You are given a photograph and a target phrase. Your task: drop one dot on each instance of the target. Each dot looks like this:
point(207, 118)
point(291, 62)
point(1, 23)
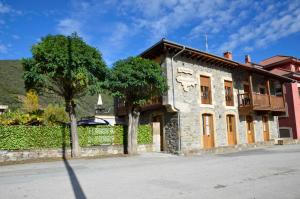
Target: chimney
point(228, 55)
point(247, 59)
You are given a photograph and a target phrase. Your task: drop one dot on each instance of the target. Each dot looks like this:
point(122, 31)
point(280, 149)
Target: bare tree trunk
point(74, 134)
point(133, 122)
point(129, 131)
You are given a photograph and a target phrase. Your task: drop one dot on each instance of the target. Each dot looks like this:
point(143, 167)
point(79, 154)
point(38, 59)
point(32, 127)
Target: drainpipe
point(173, 100)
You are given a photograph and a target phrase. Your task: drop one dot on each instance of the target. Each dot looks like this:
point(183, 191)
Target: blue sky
point(122, 28)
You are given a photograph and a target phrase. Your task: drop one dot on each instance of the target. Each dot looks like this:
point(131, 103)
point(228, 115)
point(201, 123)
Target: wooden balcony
point(260, 102)
point(154, 103)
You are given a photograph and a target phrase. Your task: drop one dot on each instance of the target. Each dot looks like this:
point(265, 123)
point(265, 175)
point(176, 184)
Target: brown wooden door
point(250, 130)
point(265, 120)
point(208, 131)
point(231, 134)
point(162, 141)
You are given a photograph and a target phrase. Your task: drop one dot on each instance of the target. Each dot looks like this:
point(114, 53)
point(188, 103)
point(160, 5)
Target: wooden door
point(250, 129)
point(265, 120)
point(208, 131)
point(231, 134)
point(162, 141)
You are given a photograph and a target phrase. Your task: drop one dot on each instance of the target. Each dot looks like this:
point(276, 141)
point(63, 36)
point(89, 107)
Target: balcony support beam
point(251, 88)
point(268, 91)
point(283, 93)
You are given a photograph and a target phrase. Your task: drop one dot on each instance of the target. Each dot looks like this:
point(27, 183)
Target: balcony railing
point(154, 102)
point(261, 102)
point(277, 103)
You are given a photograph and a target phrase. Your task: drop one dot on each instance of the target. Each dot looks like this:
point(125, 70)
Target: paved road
point(260, 174)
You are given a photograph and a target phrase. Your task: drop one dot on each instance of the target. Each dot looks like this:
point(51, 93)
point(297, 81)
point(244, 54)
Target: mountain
point(12, 90)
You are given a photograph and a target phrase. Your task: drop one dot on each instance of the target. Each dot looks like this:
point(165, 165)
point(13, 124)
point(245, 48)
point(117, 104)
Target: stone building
point(212, 101)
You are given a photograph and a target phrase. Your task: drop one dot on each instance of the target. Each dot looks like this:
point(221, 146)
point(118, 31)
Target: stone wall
point(170, 127)
point(187, 99)
point(104, 150)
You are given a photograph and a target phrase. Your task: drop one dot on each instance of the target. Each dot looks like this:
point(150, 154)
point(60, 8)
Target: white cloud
point(3, 48)
point(68, 26)
point(16, 37)
point(4, 8)
point(267, 27)
point(119, 34)
point(230, 25)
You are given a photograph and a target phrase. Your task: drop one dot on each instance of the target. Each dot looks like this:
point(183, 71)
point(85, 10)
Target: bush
point(20, 118)
point(144, 134)
point(31, 101)
point(55, 114)
point(20, 137)
point(33, 137)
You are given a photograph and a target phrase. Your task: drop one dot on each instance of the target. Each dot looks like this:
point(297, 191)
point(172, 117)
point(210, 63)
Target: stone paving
point(270, 172)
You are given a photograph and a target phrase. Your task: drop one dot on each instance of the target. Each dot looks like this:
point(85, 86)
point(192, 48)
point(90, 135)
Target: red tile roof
point(275, 59)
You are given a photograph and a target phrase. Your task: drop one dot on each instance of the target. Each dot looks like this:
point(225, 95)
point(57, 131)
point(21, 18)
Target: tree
point(68, 67)
point(31, 101)
point(135, 80)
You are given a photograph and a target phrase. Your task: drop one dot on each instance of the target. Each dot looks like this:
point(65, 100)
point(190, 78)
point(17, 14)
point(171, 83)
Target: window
point(284, 133)
point(262, 90)
point(230, 123)
point(278, 90)
point(228, 93)
point(205, 90)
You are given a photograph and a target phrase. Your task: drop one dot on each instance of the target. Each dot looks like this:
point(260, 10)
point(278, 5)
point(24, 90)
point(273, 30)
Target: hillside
point(12, 91)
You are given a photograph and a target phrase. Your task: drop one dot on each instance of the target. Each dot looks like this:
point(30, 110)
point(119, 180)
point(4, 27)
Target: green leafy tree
point(67, 67)
point(135, 80)
point(54, 114)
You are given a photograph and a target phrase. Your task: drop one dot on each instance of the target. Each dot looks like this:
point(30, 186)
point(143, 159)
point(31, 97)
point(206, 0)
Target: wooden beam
point(268, 91)
point(283, 94)
point(251, 88)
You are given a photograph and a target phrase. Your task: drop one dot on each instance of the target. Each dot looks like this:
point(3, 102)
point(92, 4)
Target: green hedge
point(47, 137)
point(144, 134)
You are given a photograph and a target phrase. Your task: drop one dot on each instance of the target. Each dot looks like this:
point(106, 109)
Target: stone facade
point(183, 130)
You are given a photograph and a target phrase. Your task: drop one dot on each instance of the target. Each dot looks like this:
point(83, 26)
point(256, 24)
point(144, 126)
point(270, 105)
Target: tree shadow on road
point(78, 191)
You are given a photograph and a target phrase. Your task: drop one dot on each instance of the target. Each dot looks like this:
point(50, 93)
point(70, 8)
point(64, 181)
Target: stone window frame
point(236, 115)
point(211, 112)
point(212, 105)
point(235, 93)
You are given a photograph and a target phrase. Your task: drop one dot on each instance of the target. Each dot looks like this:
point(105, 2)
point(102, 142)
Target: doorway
point(250, 129)
point(208, 131)
point(231, 130)
point(159, 120)
point(265, 120)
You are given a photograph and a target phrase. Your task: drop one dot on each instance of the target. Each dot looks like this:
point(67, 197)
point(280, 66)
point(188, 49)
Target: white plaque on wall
point(184, 70)
point(186, 82)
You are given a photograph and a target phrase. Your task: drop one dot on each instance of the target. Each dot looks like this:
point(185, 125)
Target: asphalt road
point(260, 174)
